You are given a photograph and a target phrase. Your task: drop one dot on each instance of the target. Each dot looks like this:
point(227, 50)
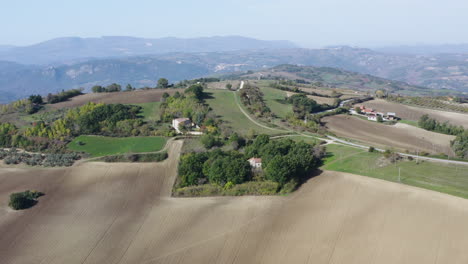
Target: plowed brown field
point(414, 113)
point(400, 136)
point(123, 213)
point(134, 97)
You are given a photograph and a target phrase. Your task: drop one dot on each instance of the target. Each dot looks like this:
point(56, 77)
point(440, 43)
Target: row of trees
point(162, 83)
point(61, 96)
point(431, 124)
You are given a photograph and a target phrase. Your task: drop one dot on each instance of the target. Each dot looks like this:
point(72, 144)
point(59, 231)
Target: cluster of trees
point(10, 136)
point(216, 167)
point(302, 105)
point(24, 200)
point(88, 119)
point(460, 145)
point(22, 106)
point(252, 98)
point(431, 124)
point(108, 89)
point(189, 104)
point(284, 162)
point(63, 95)
point(34, 103)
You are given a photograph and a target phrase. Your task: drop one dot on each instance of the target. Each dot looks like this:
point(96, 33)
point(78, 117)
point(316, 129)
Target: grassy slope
point(224, 105)
point(271, 97)
point(101, 146)
point(446, 178)
point(150, 111)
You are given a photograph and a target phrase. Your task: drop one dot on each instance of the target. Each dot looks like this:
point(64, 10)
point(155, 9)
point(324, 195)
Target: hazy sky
point(310, 23)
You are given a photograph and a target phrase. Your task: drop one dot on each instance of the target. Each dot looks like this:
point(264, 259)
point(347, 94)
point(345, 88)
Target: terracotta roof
point(256, 160)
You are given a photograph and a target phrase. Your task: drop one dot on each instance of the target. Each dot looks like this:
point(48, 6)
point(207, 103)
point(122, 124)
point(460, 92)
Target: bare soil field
point(134, 97)
point(400, 136)
point(414, 113)
point(123, 213)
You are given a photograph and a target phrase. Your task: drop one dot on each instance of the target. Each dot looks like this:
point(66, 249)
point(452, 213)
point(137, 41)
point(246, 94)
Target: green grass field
point(224, 105)
point(272, 99)
point(447, 178)
point(98, 146)
point(150, 111)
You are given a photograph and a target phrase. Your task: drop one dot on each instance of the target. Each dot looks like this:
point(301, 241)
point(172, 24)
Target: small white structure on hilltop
point(255, 163)
point(176, 123)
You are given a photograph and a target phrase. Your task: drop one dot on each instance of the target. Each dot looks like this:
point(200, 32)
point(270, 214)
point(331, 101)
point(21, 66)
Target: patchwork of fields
point(123, 213)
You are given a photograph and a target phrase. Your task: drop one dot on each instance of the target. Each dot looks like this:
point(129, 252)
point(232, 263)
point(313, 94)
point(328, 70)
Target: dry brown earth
point(400, 136)
point(122, 213)
point(134, 97)
point(414, 113)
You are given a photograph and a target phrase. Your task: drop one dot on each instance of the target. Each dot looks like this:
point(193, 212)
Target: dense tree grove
point(188, 105)
point(302, 105)
point(431, 124)
point(283, 161)
point(88, 119)
point(24, 200)
point(63, 96)
point(252, 98)
point(216, 167)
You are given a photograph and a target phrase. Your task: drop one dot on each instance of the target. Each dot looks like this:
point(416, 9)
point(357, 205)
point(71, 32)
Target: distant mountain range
point(71, 49)
point(141, 62)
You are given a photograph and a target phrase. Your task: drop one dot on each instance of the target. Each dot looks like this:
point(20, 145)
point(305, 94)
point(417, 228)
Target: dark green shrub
point(24, 200)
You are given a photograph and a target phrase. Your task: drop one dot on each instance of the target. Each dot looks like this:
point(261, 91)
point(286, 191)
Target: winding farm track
point(123, 213)
point(332, 140)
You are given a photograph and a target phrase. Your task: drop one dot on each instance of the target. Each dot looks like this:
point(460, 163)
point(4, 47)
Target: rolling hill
point(442, 73)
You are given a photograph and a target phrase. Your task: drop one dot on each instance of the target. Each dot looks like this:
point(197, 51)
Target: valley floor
point(123, 213)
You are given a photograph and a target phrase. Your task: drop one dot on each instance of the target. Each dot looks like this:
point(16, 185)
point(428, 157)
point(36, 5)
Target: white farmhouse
point(176, 123)
point(255, 163)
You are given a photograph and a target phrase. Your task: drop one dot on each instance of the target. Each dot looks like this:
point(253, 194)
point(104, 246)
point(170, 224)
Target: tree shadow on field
point(312, 174)
point(207, 95)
